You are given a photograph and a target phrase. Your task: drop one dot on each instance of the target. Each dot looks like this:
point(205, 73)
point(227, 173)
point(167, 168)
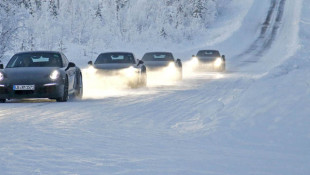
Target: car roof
point(117, 52)
point(158, 52)
point(39, 52)
point(208, 50)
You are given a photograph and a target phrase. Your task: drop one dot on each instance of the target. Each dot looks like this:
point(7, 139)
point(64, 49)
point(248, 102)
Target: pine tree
point(98, 13)
point(198, 9)
point(10, 16)
point(61, 46)
point(53, 8)
point(31, 42)
point(163, 33)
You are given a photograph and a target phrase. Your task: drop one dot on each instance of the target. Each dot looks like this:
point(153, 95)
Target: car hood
point(112, 67)
point(22, 73)
point(156, 64)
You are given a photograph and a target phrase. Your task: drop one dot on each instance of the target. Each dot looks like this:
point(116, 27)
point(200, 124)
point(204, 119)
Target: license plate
point(23, 87)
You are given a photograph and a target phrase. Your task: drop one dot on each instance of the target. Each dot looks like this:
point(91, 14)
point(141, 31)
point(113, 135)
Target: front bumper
point(47, 90)
point(209, 64)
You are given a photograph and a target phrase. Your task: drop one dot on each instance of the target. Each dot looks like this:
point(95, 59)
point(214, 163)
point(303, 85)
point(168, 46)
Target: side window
point(134, 59)
point(65, 60)
point(171, 57)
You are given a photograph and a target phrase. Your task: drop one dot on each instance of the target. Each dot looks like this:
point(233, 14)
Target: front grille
point(3, 90)
point(47, 89)
point(206, 60)
point(23, 92)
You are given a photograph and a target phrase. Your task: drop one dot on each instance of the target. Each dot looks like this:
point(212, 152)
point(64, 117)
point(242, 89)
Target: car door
point(70, 72)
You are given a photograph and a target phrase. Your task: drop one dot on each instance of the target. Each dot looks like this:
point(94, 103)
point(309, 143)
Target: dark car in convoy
point(122, 64)
point(157, 61)
point(211, 59)
point(40, 74)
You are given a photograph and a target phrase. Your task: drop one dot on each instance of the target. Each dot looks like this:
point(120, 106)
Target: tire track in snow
point(275, 27)
point(268, 32)
point(264, 29)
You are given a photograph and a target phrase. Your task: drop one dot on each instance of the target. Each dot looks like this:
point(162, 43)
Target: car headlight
point(218, 62)
point(171, 66)
point(91, 70)
point(131, 72)
point(1, 76)
point(195, 61)
point(55, 75)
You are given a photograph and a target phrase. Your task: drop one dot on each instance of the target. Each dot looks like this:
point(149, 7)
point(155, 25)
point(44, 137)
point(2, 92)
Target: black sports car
point(121, 64)
point(40, 74)
point(157, 61)
point(210, 59)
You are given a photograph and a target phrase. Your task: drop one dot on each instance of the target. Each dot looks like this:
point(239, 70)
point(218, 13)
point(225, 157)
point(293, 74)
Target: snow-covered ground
point(254, 119)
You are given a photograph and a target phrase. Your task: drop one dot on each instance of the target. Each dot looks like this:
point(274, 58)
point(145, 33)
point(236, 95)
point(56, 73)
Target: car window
point(35, 60)
point(158, 57)
point(208, 53)
point(108, 58)
point(65, 60)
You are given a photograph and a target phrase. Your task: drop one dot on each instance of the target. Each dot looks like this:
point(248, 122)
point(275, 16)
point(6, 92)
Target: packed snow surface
point(252, 119)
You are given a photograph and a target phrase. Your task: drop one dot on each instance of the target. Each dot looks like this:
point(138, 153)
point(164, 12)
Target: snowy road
point(253, 119)
point(268, 31)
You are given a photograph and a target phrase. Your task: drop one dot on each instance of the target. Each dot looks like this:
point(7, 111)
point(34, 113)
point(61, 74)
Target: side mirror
point(90, 63)
point(70, 65)
point(223, 56)
point(193, 55)
point(140, 62)
point(1, 66)
point(179, 63)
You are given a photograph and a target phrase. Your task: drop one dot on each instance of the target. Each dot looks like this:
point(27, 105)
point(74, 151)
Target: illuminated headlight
point(170, 69)
point(55, 75)
point(1, 76)
point(195, 61)
point(218, 62)
point(171, 65)
point(91, 70)
point(131, 72)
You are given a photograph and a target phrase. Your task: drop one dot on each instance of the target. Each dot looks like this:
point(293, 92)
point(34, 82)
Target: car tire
point(78, 94)
point(65, 95)
point(180, 74)
point(179, 68)
point(223, 67)
point(143, 78)
point(2, 100)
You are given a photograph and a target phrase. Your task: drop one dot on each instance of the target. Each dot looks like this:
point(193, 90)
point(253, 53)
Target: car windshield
point(158, 57)
point(108, 58)
point(35, 60)
point(209, 53)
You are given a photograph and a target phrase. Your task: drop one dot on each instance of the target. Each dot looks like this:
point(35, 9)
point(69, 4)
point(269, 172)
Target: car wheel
point(2, 100)
point(180, 74)
point(79, 88)
point(223, 67)
point(65, 95)
point(143, 79)
point(220, 69)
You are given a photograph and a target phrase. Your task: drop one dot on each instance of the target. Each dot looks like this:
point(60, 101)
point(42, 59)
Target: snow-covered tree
point(10, 16)
point(51, 24)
